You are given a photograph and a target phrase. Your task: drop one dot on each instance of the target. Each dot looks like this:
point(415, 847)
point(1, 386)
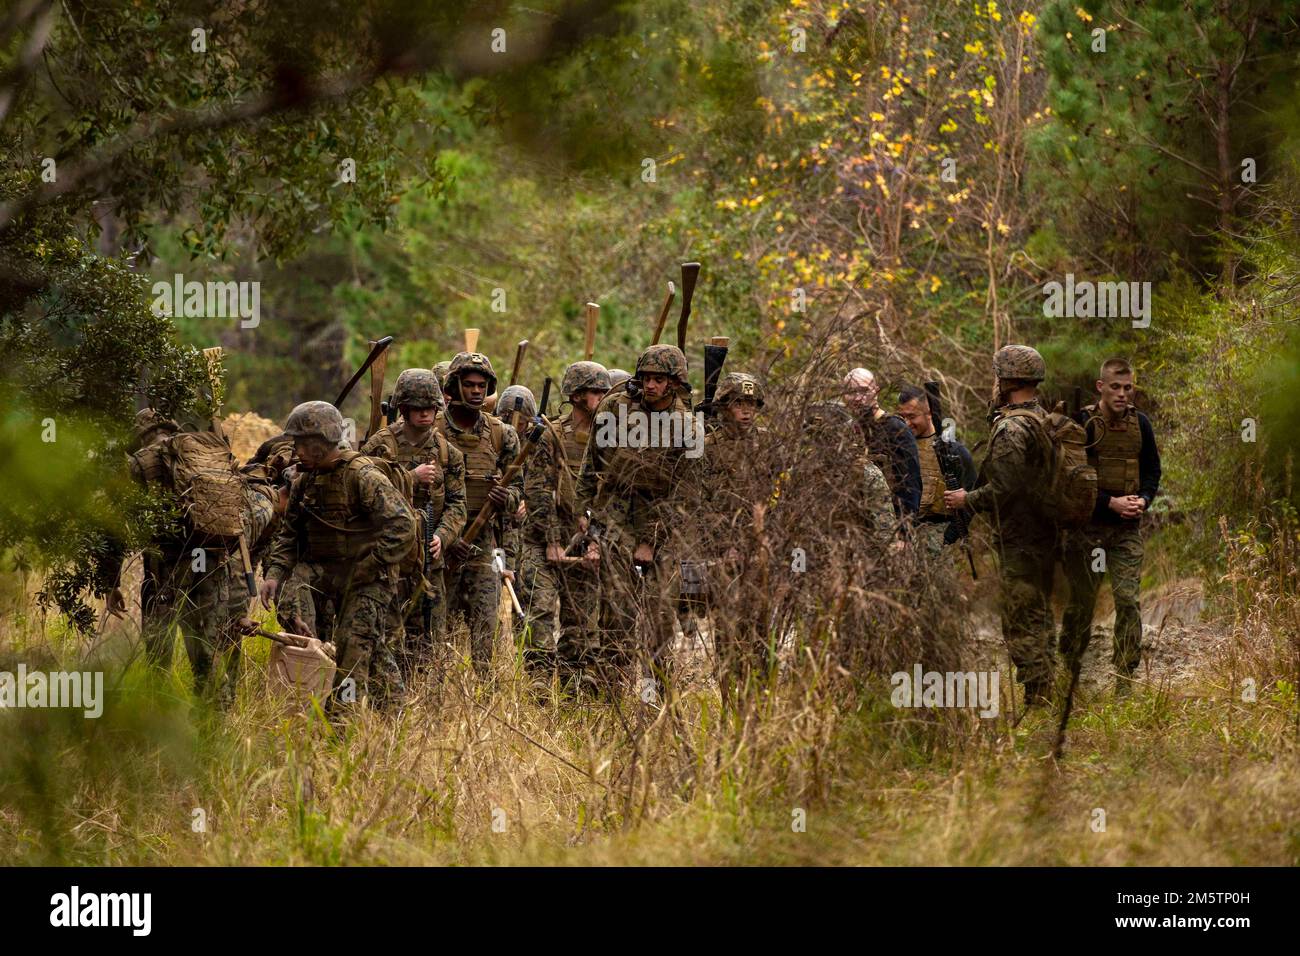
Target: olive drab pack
point(1116, 451)
point(200, 470)
point(409, 457)
point(334, 528)
point(1068, 491)
point(570, 445)
point(649, 470)
point(480, 459)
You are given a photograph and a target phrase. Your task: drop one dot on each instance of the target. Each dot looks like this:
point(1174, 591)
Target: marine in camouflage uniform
point(438, 470)
point(489, 447)
point(1122, 448)
point(832, 425)
point(346, 532)
point(554, 533)
point(634, 494)
point(518, 408)
point(1009, 494)
point(740, 476)
point(187, 582)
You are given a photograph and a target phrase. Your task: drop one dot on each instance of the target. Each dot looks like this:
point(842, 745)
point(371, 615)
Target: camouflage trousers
point(195, 593)
point(474, 591)
point(928, 537)
point(575, 590)
point(641, 604)
point(738, 615)
point(410, 645)
point(1028, 626)
point(356, 618)
point(1121, 552)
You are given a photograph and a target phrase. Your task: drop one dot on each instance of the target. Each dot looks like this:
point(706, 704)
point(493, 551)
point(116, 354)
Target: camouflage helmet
point(315, 420)
point(584, 375)
point(440, 372)
point(1021, 362)
point(506, 402)
point(666, 360)
point(148, 421)
point(417, 388)
point(618, 376)
point(739, 385)
point(471, 362)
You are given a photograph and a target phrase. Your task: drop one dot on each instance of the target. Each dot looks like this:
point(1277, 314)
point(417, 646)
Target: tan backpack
point(201, 471)
point(1069, 492)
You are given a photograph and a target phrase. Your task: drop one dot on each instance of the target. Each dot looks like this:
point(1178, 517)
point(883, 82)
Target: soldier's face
point(420, 418)
point(473, 388)
point(314, 452)
point(742, 412)
point(1116, 391)
point(587, 399)
point(656, 387)
point(917, 417)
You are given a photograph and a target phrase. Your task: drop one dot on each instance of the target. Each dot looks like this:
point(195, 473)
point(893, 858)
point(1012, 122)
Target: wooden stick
point(593, 316)
point(663, 313)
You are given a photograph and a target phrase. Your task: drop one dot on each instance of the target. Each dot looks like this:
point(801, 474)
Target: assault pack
point(201, 472)
point(1069, 491)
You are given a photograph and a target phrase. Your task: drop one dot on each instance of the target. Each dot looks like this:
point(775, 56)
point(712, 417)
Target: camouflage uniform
point(188, 580)
point(1025, 541)
point(1127, 463)
point(345, 533)
point(740, 473)
point(513, 536)
point(832, 425)
point(550, 490)
point(441, 507)
point(877, 504)
point(633, 494)
point(489, 447)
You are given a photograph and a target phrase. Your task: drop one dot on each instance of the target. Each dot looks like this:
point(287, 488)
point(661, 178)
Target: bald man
point(890, 442)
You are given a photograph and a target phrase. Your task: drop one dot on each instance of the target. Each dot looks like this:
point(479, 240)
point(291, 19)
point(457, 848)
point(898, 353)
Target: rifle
point(471, 340)
point(489, 508)
point(426, 607)
point(663, 313)
point(715, 356)
point(950, 467)
point(690, 272)
point(515, 412)
point(593, 316)
point(212, 359)
point(520, 349)
point(546, 397)
point(376, 349)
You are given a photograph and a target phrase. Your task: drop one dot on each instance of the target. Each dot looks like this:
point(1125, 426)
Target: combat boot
point(1038, 693)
